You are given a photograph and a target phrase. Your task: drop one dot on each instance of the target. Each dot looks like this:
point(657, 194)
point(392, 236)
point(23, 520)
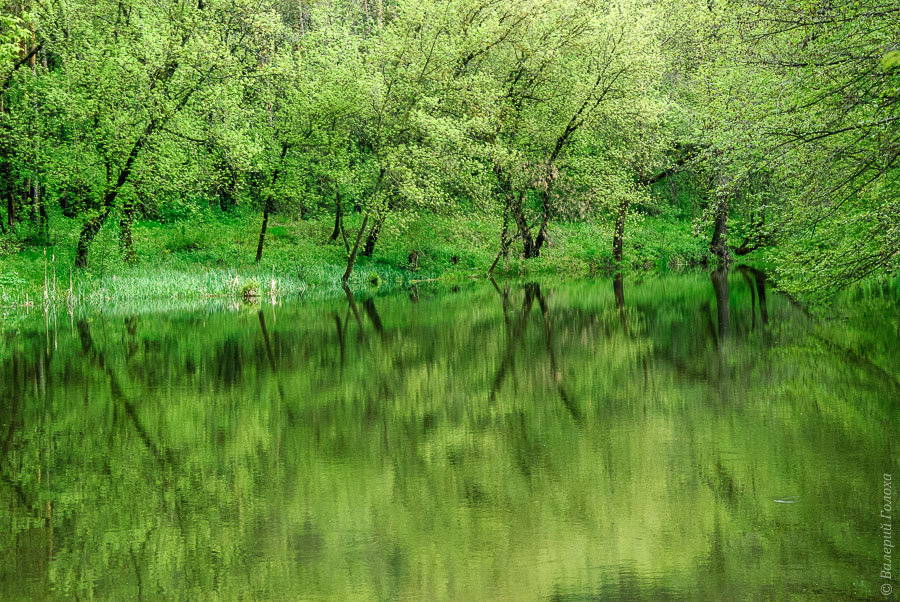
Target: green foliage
point(11, 280)
point(199, 262)
point(12, 32)
point(806, 124)
point(511, 118)
point(891, 60)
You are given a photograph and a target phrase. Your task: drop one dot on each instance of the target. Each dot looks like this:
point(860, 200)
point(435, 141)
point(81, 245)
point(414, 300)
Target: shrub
point(250, 290)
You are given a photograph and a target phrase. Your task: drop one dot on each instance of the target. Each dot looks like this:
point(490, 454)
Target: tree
point(131, 73)
point(404, 126)
point(577, 71)
point(306, 103)
point(812, 110)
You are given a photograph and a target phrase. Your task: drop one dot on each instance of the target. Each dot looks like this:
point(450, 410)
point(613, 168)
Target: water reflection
point(632, 438)
point(723, 309)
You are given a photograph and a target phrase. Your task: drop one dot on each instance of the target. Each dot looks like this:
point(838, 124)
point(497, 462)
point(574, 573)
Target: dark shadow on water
point(515, 340)
point(719, 279)
point(555, 371)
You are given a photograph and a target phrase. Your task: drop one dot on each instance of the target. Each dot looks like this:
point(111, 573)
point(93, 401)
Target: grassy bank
point(212, 256)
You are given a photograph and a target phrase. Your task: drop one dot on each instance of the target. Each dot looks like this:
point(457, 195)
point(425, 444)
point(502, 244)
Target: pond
point(696, 436)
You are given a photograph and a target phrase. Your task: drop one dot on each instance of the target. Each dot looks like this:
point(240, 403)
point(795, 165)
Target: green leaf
point(890, 60)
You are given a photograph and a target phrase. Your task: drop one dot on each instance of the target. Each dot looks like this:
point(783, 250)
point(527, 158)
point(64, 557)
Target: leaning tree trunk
point(352, 259)
point(545, 222)
point(89, 231)
point(719, 244)
point(518, 214)
point(262, 230)
point(619, 232)
point(505, 241)
point(92, 226)
point(372, 238)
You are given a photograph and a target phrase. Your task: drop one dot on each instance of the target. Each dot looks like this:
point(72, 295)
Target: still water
point(696, 437)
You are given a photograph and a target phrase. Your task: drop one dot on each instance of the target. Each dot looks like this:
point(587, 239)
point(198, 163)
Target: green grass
point(212, 257)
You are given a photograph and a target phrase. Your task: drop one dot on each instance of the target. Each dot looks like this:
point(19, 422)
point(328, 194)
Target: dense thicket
point(782, 116)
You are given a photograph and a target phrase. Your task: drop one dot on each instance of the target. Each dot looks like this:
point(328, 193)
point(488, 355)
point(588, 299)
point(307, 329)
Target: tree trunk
point(89, 230)
point(545, 221)
point(505, 241)
point(528, 247)
point(338, 218)
point(504, 249)
point(26, 200)
point(226, 199)
point(262, 231)
point(518, 214)
point(92, 226)
point(352, 259)
point(268, 206)
point(719, 244)
point(43, 220)
point(619, 232)
point(126, 240)
point(372, 238)
point(504, 233)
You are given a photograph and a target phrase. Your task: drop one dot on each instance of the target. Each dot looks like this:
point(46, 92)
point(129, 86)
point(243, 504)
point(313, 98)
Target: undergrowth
point(213, 257)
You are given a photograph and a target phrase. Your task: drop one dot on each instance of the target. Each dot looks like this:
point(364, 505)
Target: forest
point(307, 138)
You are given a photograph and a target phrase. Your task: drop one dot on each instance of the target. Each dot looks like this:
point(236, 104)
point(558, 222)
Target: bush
point(184, 241)
point(250, 290)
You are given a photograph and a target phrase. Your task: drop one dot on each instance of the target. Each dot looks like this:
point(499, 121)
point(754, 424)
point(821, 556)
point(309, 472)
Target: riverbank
point(212, 256)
